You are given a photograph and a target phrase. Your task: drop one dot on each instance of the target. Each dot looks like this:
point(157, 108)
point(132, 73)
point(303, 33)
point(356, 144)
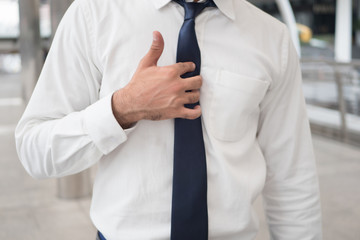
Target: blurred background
point(326, 34)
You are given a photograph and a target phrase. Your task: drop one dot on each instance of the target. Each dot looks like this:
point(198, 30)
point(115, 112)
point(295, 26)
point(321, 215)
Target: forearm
point(70, 144)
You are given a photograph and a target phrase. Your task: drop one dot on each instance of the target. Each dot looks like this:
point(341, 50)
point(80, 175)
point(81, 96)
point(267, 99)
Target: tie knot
point(192, 9)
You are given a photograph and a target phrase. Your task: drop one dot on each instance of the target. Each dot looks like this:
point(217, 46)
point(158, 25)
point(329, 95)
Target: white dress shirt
point(255, 127)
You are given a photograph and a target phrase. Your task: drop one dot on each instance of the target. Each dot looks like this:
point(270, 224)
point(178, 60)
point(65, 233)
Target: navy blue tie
point(189, 216)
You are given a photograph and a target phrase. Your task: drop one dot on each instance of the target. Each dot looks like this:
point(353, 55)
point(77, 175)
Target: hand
point(157, 93)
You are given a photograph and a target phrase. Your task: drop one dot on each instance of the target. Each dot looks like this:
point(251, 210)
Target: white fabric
point(255, 126)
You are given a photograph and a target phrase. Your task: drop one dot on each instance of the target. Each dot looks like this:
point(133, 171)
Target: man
point(104, 97)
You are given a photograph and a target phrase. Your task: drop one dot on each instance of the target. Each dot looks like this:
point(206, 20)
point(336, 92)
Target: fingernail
point(155, 38)
point(194, 65)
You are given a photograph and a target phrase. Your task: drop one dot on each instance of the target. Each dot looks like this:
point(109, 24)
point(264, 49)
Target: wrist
point(123, 110)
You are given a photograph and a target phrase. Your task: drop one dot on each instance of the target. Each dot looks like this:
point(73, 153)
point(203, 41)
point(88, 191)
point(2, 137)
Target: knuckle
point(192, 116)
point(186, 115)
point(155, 47)
point(185, 66)
point(176, 102)
point(197, 97)
point(199, 81)
point(171, 72)
point(193, 98)
point(182, 64)
point(178, 87)
point(197, 93)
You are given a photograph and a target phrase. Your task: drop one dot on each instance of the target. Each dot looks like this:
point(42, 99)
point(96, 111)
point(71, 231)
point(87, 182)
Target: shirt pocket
point(234, 106)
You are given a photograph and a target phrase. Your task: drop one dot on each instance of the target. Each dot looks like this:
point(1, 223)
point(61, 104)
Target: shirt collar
point(225, 6)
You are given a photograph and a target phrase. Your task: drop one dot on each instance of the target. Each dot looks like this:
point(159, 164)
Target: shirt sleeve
point(291, 192)
point(66, 128)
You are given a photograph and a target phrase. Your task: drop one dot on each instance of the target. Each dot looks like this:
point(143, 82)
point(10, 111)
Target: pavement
point(31, 210)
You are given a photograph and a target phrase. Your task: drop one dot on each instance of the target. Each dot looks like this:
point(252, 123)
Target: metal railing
point(343, 76)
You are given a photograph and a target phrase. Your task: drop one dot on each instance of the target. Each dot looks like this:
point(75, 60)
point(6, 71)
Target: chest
point(124, 38)
point(236, 69)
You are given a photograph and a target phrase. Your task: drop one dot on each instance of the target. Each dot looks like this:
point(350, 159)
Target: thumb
point(156, 49)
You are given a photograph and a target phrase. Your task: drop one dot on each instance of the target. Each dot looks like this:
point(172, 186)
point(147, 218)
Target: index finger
point(184, 67)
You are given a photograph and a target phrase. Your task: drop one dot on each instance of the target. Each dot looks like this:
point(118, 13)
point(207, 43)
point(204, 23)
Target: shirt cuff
point(102, 126)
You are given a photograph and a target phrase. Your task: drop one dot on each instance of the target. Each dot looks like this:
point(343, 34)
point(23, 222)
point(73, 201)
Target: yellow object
point(305, 33)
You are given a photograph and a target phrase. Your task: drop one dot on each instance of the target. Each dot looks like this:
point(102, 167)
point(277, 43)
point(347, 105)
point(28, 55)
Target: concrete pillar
point(343, 29)
point(30, 45)
point(77, 185)
point(289, 19)
point(57, 10)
